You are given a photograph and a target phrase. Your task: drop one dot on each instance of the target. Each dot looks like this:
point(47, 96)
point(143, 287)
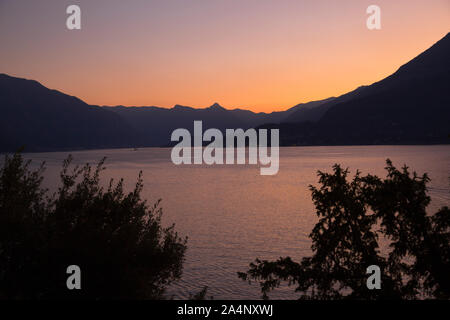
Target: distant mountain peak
point(216, 106)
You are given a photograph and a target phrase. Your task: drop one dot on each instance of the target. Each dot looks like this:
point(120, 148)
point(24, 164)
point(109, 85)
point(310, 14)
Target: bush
point(353, 217)
point(115, 238)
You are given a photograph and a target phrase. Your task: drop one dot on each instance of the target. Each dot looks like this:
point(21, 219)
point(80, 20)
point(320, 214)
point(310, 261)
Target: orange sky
point(262, 55)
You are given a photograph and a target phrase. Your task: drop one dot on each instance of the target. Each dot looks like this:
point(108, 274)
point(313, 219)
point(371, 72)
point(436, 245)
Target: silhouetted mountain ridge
point(411, 106)
point(42, 119)
point(156, 124)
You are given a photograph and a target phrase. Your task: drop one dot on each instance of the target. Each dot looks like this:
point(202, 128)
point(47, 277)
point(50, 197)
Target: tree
point(115, 238)
point(356, 218)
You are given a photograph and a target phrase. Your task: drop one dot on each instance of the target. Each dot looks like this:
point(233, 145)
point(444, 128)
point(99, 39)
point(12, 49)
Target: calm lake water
point(233, 215)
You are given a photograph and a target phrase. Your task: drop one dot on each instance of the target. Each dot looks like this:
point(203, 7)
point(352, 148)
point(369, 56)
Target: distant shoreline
point(131, 149)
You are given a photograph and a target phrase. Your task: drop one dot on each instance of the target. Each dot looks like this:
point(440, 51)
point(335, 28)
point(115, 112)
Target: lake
point(232, 214)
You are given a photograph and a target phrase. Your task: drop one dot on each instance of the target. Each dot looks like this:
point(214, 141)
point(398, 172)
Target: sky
point(261, 55)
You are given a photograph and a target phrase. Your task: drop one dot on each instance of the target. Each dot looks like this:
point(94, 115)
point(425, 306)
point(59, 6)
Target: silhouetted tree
point(115, 238)
point(357, 217)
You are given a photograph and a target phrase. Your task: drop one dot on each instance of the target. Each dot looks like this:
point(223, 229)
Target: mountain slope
point(42, 119)
point(315, 113)
point(310, 111)
point(410, 106)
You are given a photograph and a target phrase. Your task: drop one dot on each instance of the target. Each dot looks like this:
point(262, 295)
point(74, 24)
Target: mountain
point(41, 119)
point(156, 124)
point(299, 112)
point(315, 112)
point(411, 106)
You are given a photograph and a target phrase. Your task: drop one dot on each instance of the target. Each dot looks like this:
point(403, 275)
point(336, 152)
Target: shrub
point(115, 238)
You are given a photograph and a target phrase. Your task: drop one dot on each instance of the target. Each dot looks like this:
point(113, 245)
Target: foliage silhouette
point(356, 218)
point(115, 238)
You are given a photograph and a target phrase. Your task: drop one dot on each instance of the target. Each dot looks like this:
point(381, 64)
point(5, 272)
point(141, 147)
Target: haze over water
point(233, 215)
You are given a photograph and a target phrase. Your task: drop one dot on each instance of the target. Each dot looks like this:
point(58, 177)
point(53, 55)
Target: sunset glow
point(259, 55)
